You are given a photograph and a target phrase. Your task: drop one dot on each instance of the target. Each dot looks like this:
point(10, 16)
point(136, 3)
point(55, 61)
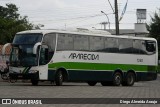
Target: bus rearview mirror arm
point(35, 47)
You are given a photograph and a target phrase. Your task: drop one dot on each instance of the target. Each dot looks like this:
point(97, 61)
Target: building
point(139, 30)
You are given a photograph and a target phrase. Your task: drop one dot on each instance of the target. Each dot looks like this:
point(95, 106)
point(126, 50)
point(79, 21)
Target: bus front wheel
point(130, 79)
point(92, 83)
point(59, 78)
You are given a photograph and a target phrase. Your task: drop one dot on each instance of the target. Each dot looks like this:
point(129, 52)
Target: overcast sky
point(61, 14)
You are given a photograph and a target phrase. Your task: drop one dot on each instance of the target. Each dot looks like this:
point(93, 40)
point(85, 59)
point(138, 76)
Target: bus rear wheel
point(130, 79)
point(92, 83)
point(117, 79)
point(59, 78)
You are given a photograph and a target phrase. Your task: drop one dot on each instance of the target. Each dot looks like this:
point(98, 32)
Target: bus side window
point(150, 47)
point(96, 43)
point(50, 41)
point(65, 42)
point(139, 47)
point(81, 43)
point(111, 45)
point(125, 45)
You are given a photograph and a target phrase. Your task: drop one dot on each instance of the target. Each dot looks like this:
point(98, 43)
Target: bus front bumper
point(17, 76)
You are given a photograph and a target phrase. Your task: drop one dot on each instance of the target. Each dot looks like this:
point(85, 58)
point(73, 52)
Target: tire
point(106, 83)
point(11, 80)
point(4, 76)
point(117, 79)
point(129, 80)
point(92, 83)
point(34, 82)
point(59, 78)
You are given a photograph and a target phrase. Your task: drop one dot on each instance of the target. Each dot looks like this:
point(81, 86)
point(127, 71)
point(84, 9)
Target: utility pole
point(116, 17)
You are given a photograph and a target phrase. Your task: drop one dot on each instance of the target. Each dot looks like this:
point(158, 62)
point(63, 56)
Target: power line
point(75, 18)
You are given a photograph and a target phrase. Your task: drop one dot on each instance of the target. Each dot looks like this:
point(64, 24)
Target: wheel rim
point(4, 76)
point(117, 79)
point(61, 77)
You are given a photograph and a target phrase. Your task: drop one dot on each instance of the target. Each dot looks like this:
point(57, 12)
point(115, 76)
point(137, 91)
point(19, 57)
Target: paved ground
point(149, 89)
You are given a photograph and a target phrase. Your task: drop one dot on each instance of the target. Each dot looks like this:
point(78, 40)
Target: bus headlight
point(33, 71)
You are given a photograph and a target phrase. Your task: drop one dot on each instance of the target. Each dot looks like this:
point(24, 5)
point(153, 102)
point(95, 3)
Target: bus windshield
point(22, 50)
point(27, 38)
point(22, 55)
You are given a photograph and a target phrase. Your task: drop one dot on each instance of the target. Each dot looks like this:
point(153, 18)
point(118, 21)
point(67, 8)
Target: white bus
point(54, 55)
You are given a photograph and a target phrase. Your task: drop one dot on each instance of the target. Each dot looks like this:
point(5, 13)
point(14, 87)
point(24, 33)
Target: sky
point(71, 14)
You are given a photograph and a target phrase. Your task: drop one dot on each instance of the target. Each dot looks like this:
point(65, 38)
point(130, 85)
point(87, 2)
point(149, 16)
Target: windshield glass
point(30, 38)
point(22, 49)
point(22, 55)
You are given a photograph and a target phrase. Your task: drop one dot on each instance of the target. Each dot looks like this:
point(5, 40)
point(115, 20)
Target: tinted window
point(139, 47)
point(111, 45)
point(150, 47)
point(22, 55)
point(65, 42)
point(125, 45)
point(81, 42)
point(30, 38)
point(96, 43)
point(50, 41)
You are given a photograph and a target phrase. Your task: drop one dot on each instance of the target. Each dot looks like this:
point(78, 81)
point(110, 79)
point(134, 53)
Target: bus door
point(43, 62)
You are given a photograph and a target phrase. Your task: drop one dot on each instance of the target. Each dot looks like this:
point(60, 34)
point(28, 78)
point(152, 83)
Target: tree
point(11, 22)
point(154, 28)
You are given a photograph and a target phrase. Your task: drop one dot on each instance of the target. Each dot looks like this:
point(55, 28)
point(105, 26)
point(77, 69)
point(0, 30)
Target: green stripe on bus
point(24, 69)
point(100, 66)
point(27, 70)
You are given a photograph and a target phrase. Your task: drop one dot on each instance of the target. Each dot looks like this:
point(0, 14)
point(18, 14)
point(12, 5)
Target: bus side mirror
point(4, 48)
point(35, 47)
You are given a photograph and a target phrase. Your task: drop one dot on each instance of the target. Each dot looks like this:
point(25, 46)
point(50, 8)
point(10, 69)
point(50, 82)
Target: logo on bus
point(84, 56)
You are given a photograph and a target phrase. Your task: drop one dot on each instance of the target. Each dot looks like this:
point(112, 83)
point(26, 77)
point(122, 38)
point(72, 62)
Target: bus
point(82, 56)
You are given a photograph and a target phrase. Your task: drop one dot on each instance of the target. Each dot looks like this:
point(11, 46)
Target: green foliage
point(154, 28)
point(11, 22)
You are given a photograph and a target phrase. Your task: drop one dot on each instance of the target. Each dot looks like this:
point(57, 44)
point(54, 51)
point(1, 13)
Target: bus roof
point(85, 32)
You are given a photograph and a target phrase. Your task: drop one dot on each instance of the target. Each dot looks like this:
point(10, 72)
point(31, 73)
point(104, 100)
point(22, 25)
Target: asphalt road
point(147, 89)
